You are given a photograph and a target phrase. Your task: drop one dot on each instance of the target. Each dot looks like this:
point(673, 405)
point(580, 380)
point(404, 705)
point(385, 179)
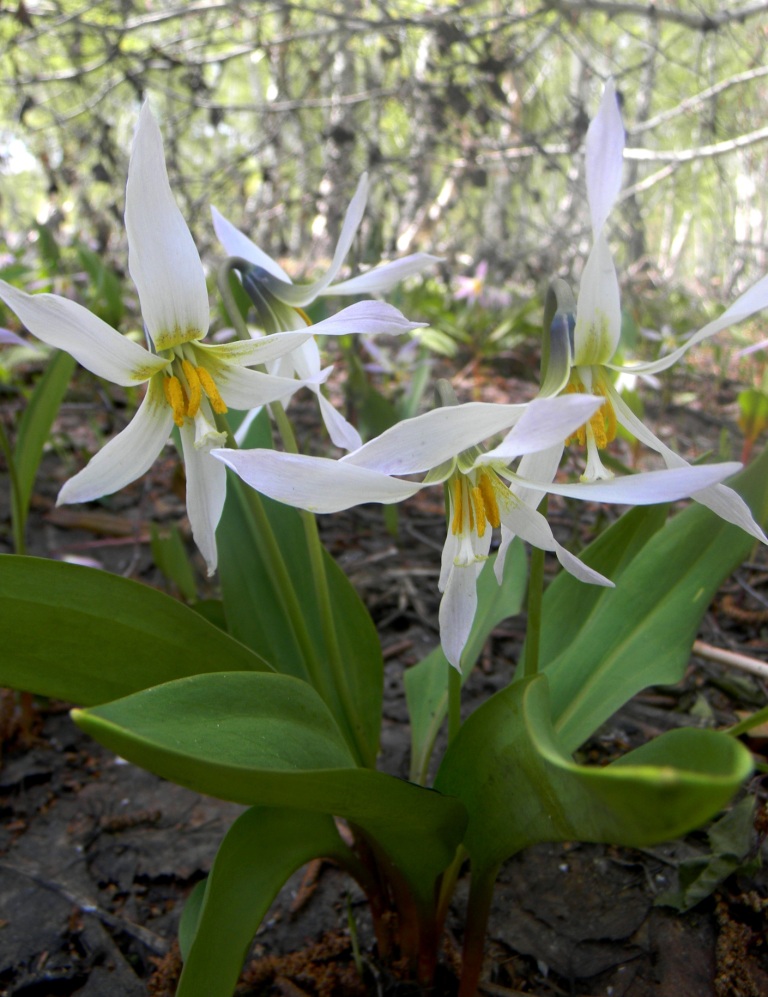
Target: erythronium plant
point(278, 705)
point(280, 303)
point(583, 345)
point(189, 382)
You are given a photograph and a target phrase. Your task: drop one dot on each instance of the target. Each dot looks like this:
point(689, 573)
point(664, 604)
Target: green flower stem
point(478, 909)
point(281, 578)
point(334, 680)
point(535, 597)
point(18, 513)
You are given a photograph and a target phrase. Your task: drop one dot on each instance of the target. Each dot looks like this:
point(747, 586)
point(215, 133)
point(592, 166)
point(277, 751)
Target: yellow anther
point(458, 510)
point(490, 504)
point(174, 395)
point(195, 388)
point(209, 387)
point(304, 315)
point(479, 508)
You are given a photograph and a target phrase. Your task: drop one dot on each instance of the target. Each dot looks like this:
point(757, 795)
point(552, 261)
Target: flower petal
point(544, 423)
point(206, 491)
point(300, 295)
point(248, 352)
point(753, 300)
point(8, 338)
point(236, 243)
point(723, 501)
point(427, 440)
point(457, 610)
point(162, 258)
point(128, 455)
point(68, 326)
point(598, 312)
point(531, 526)
point(342, 433)
point(604, 158)
point(647, 488)
point(245, 389)
point(385, 277)
point(314, 483)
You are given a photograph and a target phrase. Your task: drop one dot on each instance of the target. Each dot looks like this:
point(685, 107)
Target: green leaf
point(731, 839)
point(87, 636)
point(641, 632)
point(426, 684)
point(269, 740)
point(259, 615)
point(519, 785)
point(190, 917)
point(260, 851)
point(35, 424)
point(170, 556)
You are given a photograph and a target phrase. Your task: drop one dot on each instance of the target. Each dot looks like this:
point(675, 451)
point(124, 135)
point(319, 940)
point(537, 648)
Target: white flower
point(442, 445)
point(279, 302)
point(581, 355)
point(188, 381)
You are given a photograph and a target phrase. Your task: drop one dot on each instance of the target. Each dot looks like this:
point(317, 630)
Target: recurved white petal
point(162, 258)
point(128, 455)
point(375, 318)
point(519, 519)
point(68, 326)
point(598, 312)
point(342, 433)
point(206, 491)
point(235, 243)
point(646, 488)
point(421, 443)
point(385, 277)
point(314, 483)
point(753, 300)
point(249, 352)
point(544, 423)
point(8, 338)
point(723, 501)
point(604, 157)
point(245, 389)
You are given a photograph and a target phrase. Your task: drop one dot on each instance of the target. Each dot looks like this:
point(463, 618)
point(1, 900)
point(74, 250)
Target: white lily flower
point(442, 445)
point(188, 381)
point(280, 303)
point(581, 355)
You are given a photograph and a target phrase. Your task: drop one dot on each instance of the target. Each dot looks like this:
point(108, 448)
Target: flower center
point(185, 387)
point(602, 425)
point(474, 502)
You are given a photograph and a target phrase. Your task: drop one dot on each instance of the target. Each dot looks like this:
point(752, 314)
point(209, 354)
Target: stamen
point(303, 315)
point(195, 388)
point(479, 507)
point(209, 387)
point(174, 395)
point(490, 504)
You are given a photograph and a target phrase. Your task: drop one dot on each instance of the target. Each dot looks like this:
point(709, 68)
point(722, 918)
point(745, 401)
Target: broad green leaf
point(35, 424)
point(641, 632)
point(287, 629)
point(87, 636)
point(260, 851)
point(190, 917)
point(269, 740)
point(519, 786)
point(426, 684)
point(731, 839)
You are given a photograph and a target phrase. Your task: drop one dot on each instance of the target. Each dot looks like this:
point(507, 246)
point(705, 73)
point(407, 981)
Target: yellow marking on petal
point(303, 314)
point(209, 387)
point(458, 511)
point(174, 395)
point(490, 503)
point(195, 388)
point(479, 508)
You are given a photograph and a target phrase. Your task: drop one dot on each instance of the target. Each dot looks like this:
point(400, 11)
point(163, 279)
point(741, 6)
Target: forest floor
point(98, 856)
